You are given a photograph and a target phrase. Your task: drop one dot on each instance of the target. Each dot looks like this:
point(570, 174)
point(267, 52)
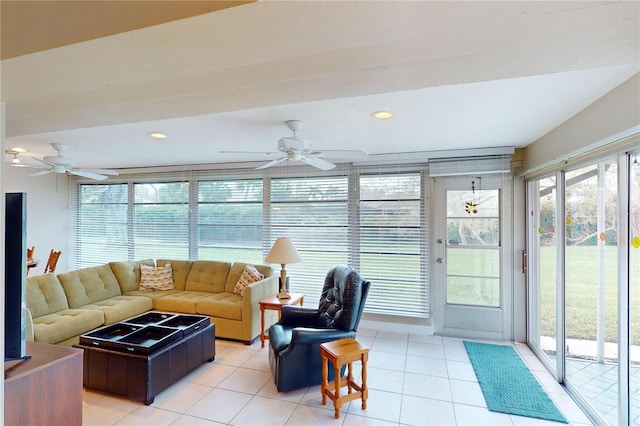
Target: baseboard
point(397, 327)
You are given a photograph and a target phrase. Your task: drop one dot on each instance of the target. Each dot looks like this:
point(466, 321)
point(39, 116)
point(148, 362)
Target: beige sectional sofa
point(64, 306)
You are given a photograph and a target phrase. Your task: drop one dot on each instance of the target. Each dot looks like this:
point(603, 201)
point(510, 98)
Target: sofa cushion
point(65, 324)
point(236, 271)
point(181, 269)
point(151, 295)
point(89, 285)
point(208, 275)
point(184, 301)
point(128, 273)
point(45, 295)
point(156, 278)
point(119, 308)
point(250, 275)
point(221, 305)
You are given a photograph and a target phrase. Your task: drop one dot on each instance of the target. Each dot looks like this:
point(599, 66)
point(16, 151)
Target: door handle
point(439, 260)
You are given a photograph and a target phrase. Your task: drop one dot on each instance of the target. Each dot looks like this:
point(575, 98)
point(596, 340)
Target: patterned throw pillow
point(156, 278)
point(250, 275)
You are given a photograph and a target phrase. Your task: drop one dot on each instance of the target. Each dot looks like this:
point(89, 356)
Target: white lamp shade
point(283, 252)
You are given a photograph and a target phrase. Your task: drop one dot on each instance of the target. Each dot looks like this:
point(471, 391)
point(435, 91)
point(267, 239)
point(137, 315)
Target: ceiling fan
point(60, 164)
point(298, 149)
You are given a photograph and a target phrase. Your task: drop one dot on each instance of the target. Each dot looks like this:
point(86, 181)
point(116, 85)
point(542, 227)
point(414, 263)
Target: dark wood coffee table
point(140, 369)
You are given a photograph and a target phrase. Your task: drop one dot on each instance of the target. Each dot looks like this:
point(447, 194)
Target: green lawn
point(582, 293)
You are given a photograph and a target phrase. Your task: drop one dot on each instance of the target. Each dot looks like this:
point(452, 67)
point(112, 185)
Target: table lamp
point(283, 252)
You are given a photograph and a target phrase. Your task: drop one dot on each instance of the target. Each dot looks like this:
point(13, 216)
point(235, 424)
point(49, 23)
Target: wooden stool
point(341, 352)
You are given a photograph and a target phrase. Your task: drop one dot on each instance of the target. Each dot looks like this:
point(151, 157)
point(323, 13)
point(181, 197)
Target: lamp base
point(283, 295)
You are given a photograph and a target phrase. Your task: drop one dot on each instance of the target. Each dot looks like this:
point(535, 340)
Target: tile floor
point(413, 380)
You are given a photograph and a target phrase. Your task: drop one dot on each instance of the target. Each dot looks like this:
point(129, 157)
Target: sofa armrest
point(30, 332)
point(257, 291)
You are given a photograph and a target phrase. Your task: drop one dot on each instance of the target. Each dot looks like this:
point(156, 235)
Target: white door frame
point(489, 323)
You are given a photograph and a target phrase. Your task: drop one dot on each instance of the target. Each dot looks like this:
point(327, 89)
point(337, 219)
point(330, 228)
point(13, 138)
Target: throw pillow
point(250, 275)
point(156, 277)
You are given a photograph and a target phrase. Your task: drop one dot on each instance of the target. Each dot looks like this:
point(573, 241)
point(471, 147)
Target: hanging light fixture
point(472, 206)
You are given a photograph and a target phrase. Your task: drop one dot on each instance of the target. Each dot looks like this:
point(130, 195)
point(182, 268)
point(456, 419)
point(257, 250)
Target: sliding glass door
point(634, 293)
point(543, 250)
point(584, 283)
point(591, 285)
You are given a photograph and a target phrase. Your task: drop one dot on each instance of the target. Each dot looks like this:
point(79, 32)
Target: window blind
point(230, 220)
point(373, 221)
point(469, 165)
point(160, 222)
point(393, 244)
point(100, 224)
point(312, 212)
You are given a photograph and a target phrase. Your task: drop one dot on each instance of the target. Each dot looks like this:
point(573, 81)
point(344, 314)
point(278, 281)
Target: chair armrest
point(308, 336)
point(299, 316)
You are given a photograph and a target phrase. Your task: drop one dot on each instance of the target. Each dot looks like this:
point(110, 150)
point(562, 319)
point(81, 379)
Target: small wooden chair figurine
point(52, 261)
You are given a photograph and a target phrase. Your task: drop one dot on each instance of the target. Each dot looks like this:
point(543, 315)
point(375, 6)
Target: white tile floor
point(413, 380)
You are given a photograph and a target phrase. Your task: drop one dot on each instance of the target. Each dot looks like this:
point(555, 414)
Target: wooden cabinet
point(46, 389)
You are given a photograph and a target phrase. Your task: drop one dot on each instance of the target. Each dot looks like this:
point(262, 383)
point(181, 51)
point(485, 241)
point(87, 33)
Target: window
point(101, 224)
point(161, 220)
point(373, 222)
point(392, 243)
point(230, 220)
point(313, 213)
point(473, 248)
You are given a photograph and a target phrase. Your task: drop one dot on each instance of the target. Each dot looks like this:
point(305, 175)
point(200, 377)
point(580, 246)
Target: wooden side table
point(272, 303)
point(340, 352)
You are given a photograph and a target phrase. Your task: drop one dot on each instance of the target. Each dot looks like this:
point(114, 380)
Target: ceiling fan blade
point(102, 171)
point(44, 172)
point(86, 174)
point(271, 163)
point(318, 163)
point(250, 152)
point(345, 154)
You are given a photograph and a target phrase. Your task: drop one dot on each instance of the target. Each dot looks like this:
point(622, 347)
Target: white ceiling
point(457, 75)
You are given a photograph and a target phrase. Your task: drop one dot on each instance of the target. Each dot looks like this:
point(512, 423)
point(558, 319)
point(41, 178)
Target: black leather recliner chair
point(294, 341)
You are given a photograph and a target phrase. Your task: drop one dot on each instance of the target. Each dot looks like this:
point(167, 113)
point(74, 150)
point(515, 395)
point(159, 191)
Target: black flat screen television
point(15, 277)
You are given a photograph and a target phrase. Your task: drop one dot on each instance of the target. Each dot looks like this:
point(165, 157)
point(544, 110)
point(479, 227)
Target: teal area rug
point(507, 383)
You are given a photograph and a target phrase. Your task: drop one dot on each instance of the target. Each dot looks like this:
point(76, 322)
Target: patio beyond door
point(469, 290)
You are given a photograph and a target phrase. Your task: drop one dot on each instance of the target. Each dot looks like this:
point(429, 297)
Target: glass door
point(634, 282)
point(591, 285)
point(584, 283)
point(543, 253)
point(470, 294)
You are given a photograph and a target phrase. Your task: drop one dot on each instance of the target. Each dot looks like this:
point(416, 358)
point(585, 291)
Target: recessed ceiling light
point(382, 115)
point(20, 150)
point(157, 135)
